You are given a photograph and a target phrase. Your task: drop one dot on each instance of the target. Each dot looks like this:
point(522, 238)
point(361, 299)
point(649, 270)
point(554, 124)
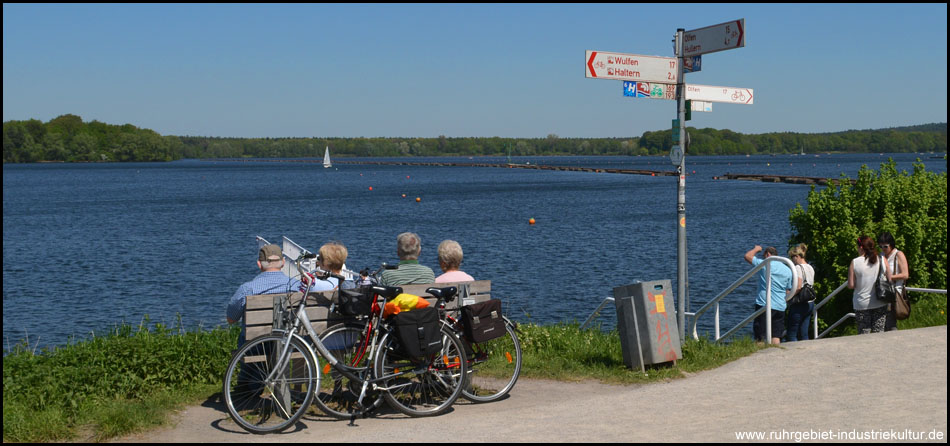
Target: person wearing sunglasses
point(897, 265)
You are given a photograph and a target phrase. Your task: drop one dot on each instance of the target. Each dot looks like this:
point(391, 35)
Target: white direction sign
point(700, 106)
point(631, 67)
point(708, 93)
point(724, 36)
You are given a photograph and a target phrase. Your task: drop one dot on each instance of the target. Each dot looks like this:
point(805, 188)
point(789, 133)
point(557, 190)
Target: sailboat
point(326, 158)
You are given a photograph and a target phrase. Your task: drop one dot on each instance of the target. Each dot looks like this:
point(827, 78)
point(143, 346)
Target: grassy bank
point(134, 377)
point(110, 385)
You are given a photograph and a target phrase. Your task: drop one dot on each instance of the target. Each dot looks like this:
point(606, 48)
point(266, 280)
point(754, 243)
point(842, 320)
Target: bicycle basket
point(354, 302)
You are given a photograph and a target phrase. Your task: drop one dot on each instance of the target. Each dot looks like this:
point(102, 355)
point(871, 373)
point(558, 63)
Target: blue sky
point(425, 70)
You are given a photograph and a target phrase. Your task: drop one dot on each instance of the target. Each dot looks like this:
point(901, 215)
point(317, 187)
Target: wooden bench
point(259, 310)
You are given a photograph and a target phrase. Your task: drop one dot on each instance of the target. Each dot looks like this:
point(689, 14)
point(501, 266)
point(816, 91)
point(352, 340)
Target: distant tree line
point(68, 138)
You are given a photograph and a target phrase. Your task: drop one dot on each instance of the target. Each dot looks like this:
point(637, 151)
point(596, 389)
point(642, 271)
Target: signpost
point(724, 36)
point(630, 67)
point(664, 78)
point(699, 94)
point(709, 93)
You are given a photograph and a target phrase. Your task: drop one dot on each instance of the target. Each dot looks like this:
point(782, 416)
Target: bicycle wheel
point(338, 396)
point(260, 404)
point(422, 387)
point(494, 367)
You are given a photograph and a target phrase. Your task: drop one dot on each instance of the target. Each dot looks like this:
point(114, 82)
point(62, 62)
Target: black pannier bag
point(354, 302)
point(418, 332)
point(483, 321)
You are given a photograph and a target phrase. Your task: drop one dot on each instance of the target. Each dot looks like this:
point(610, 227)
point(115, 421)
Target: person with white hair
point(450, 259)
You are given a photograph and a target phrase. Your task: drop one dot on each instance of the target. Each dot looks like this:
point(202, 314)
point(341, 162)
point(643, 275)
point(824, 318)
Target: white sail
point(326, 158)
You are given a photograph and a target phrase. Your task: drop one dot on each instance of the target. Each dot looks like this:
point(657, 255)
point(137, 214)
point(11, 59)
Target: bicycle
point(272, 380)
point(499, 360)
point(494, 365)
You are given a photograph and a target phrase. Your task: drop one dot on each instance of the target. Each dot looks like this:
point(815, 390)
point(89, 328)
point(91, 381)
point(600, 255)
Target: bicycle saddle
point(388, 292)
point(447, 293)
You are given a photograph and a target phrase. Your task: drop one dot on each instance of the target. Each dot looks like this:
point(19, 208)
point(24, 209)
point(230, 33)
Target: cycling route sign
point(631, 67)
point(731, 95)
point(724, 36)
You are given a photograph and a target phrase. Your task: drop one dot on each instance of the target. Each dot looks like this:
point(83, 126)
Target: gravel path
point(841, 389)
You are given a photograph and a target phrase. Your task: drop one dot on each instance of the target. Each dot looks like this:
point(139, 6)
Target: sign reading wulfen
point(631, 67)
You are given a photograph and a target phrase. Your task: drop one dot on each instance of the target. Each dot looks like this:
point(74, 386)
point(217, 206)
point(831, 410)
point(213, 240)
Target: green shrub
point(912, 207)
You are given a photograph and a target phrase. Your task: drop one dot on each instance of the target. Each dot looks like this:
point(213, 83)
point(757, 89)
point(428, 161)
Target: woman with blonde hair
point(331, 257)
point(799, 314)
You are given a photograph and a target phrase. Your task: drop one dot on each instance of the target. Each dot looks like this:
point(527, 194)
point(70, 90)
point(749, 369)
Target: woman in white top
point(897, 265)
point(799, 315)
point(869, 312)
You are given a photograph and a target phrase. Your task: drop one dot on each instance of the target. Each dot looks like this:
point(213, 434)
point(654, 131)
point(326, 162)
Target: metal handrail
point(596, 312)
point(814, 313)
point(768, 297)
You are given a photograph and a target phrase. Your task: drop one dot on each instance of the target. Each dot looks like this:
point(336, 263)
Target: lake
point(88, 246)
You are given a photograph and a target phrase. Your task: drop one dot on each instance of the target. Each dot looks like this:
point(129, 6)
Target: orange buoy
point(530, 221)
point(407, 177)
point(418, 199)
point(371, 188)
point(403, 195)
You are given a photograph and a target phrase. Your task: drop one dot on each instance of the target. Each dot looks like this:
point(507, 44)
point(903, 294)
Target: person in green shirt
point(408, 246)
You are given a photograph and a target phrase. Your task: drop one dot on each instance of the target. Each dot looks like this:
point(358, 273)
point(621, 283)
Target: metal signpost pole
point(681, 190)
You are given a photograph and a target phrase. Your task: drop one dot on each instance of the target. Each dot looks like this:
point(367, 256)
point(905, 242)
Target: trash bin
point(646, 320)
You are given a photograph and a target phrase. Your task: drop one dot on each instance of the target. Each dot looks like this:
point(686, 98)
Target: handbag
point(805, 294)
point(886, 291)
point(902, 305)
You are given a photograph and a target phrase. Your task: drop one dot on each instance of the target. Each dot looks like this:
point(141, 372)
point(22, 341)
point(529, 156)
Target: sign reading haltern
point(631, 67)
point(724, 36)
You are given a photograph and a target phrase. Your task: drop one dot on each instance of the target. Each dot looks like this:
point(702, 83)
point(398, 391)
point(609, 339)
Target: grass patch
point(565, 352)
point(111, 385)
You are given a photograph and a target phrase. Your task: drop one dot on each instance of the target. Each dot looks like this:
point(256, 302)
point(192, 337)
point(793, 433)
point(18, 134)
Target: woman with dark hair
point(897, 265)
point(869, 312)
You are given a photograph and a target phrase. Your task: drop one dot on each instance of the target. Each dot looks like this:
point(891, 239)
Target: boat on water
point(326, 158)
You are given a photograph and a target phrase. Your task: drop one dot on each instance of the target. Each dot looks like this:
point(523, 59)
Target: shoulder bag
point(902, 305)
point(806, 294)
point(886, 291)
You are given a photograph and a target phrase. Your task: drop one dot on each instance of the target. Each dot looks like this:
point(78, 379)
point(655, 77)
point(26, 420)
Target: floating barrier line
point(790, 179)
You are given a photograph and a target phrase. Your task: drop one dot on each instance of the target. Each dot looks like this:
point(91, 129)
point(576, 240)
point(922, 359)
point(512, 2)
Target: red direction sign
point(724, 36)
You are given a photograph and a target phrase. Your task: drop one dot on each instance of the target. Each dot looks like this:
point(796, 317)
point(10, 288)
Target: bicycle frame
point(353, 373)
